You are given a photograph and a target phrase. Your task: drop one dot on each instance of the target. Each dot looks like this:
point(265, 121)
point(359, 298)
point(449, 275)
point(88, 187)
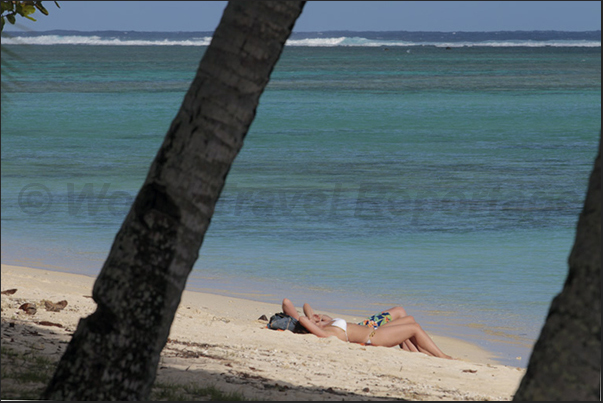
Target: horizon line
point(300, 32)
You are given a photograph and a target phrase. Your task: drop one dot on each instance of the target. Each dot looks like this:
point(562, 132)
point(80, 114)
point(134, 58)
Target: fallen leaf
point(46, 323)
point(9, 292)
point(29, 309)
point(472, 371)
point(55, 306)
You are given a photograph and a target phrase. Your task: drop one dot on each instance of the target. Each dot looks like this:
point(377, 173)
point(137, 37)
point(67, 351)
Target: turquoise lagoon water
point(447, 181)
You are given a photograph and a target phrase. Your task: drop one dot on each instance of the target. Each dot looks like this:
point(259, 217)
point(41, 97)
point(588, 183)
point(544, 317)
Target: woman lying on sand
point(381, 319)
point(375, 321)
point(402, 331)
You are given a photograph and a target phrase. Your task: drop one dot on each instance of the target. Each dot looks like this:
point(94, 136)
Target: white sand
point(219, 341)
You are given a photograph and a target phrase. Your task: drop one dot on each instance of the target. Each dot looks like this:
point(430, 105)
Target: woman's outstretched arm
point(312, 328)
point(289, 309)
point(308, 311)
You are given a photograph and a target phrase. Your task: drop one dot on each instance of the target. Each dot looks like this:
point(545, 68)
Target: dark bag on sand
point(280, 321)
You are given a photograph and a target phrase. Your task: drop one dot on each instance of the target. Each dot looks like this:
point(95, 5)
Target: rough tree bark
point(566, 360)
point(114, 352)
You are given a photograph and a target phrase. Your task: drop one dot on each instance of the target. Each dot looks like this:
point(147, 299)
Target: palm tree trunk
point(566, 360)
point(114, 352)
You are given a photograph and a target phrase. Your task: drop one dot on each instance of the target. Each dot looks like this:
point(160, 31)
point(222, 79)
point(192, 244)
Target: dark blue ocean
point(441, 172)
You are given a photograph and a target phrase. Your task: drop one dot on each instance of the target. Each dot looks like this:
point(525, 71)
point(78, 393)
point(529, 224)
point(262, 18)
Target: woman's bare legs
point(396, 312)
point(392, 335)
point(407, 320)
point(408, 345)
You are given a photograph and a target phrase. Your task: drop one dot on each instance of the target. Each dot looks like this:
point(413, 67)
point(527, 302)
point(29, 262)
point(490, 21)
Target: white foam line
point(309, 42)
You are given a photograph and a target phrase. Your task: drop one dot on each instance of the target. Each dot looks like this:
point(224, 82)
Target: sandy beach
point(220, 341)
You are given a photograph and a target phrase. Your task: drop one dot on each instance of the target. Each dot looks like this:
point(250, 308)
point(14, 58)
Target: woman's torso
point(355, 333)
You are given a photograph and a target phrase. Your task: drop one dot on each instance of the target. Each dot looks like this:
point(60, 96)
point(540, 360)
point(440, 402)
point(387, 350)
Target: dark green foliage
point(10, 9)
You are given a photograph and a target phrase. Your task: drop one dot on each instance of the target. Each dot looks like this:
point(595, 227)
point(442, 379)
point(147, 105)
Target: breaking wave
point(100, 41)
point(341, 41)
point(357, 41)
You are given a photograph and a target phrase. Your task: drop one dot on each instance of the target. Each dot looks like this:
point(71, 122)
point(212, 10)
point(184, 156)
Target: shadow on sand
point(181, 363)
